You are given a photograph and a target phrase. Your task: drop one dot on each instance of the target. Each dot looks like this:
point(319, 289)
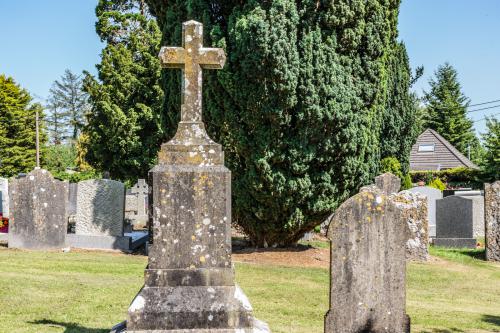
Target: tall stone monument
point(39, 218)
point(492, 220)
point(368, 266)
point(189, 281)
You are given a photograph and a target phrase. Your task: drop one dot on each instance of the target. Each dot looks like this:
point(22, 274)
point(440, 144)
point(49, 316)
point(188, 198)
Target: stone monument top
point(191, 143)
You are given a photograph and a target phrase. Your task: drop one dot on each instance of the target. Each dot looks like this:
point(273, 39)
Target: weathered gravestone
point(492, 220)
point(458, 221)
point(38, 219)
point(414, 210)
point(100, 207)
point(432, 195)
point(4, 197)
point(189, 280)
point(388, 183)
point(368, 234)
point(136, 204)
point(72, 198)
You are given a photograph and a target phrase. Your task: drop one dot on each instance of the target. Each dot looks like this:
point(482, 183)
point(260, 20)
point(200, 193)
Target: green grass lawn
point(90, 292)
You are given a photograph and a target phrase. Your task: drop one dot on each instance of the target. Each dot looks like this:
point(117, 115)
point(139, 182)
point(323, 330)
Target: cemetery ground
point(88, 291)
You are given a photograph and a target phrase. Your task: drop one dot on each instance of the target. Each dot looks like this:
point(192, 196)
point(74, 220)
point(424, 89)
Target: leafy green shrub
point(392, 165)
point(77, 176)
point(406, 184)
point(437, 183)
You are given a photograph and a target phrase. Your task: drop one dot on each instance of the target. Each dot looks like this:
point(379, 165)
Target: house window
point(426, 148)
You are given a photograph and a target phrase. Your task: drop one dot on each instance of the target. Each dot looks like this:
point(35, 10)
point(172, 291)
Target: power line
point(498, 100)
point(493, 115)
point(490, 107)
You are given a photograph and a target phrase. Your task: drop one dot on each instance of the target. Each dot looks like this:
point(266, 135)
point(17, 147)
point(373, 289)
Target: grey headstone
point(432, 195)
point(4, 200)
point(368, 266)
point(414, 210)
point(459, 220)
point(100, 207)
point(189, 281)
point(388, 183)
point(73, 197)
point(492, 220)
point(38, 219)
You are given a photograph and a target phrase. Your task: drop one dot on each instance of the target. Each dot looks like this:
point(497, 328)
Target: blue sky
point(40, 39)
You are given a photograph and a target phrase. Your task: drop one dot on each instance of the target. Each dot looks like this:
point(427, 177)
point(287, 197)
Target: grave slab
point(39, 217)
point(368, 266)
point(388, 183)
point(432, 195)
point(458, 220)
point(100, 208)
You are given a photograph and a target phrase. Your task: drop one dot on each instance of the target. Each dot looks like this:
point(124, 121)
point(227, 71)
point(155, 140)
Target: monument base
point(128, 242)
point(203, 309)
point(469, 243)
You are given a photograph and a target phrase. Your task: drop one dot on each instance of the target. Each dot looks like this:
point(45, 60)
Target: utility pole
point(37, 141)
point(468, 151)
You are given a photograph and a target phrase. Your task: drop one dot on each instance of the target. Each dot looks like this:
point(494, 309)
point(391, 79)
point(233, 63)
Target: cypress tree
point(124, 129)
point(298, 106)
point(447, 109)
point(18, 130)
point(401, 123)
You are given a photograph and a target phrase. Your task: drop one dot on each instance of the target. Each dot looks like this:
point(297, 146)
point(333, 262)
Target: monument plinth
point(189, 281)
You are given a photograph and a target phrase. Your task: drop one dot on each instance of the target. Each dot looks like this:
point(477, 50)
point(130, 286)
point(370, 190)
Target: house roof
point(444, 156)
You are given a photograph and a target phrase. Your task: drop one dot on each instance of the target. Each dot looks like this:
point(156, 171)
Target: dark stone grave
point(38, 218)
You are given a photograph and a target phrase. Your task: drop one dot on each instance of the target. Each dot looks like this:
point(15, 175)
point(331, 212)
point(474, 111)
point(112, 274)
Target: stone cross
point(141, 189)
point(192, 57)
point(189, 281)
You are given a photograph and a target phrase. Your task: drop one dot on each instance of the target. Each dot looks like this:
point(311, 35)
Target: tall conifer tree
point(299, 105)
point(17, 129)
point(124, 130)
point(447, 110)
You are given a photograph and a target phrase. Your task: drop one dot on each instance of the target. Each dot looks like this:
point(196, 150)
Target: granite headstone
point(368, 234)
point(39, 216)
point(100, 207)
point(492, 220)
point(458, 221)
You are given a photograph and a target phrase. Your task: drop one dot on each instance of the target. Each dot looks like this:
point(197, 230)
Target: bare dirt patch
point(300, 256)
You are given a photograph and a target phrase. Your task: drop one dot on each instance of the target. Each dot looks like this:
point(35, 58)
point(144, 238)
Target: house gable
point(433, 152)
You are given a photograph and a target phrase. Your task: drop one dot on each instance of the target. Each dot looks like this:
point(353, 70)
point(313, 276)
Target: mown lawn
point(89, 292)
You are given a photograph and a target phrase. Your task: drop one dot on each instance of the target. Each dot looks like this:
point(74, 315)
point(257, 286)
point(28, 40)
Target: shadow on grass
point(479, 254)
point(495, 320)
point(69, 327)
point(445, 330)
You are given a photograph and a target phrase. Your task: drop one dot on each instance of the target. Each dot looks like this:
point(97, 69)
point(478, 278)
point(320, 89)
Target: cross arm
point(172, 57)
point(212, 58)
